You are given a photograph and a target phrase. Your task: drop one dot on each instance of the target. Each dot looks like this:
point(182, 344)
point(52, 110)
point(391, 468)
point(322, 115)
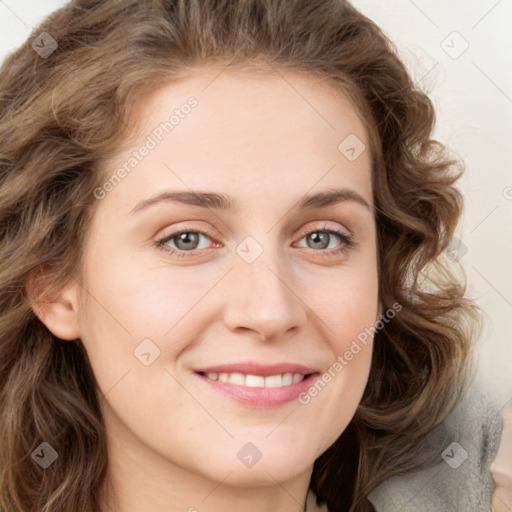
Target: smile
point(262, 386)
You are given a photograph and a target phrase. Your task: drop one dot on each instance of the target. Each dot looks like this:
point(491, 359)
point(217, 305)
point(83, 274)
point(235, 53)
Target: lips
point(255, 384)
point(258, 369)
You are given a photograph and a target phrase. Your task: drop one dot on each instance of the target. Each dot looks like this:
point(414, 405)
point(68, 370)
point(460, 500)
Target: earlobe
point(59, 313)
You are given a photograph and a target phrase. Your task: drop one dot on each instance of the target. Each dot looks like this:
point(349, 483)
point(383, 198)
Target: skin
point(173, 441)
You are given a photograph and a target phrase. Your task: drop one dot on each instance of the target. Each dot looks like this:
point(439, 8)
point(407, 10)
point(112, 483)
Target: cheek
point(348, 307)
point(132, 299)
point(124, 309)
point(331, 401)
point(347, 303)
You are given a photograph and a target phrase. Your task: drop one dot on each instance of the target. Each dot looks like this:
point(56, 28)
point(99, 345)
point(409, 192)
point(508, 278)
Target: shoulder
point(460, 479)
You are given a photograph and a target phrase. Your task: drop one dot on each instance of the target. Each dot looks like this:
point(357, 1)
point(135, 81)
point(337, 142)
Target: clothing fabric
point(473, 469)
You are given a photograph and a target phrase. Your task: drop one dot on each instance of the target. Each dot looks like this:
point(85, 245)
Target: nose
point(262, 298)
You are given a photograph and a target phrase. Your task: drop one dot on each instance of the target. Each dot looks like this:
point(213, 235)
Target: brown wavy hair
point(62, 116)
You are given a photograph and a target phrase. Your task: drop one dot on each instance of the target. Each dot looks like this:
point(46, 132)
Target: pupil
point(317, 238)
point(187, 238)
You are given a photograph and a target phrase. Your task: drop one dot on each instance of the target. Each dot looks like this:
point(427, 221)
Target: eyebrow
point(224, 202)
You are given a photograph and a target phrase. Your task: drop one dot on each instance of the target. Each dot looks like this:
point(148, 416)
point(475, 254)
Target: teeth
point(288, 378)
point(274, 381)
point(297, 377)
point(254, 381)
point(258, 381)
point(236, 378)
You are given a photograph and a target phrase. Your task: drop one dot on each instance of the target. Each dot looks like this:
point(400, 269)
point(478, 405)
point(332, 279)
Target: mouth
point(259, 385)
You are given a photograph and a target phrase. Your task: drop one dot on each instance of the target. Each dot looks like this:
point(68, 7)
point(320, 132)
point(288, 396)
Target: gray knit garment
point(459, 481)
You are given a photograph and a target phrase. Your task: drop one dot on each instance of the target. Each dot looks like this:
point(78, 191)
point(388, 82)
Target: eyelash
point(347, 242)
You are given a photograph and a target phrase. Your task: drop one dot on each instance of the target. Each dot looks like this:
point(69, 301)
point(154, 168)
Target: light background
point(472, 93)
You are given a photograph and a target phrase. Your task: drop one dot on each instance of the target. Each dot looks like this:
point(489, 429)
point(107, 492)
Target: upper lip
point(258, 369)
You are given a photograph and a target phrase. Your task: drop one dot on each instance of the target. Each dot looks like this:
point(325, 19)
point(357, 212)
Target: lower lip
point(261, 397)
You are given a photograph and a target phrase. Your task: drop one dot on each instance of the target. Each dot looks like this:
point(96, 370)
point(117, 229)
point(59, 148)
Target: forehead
point(268, 133)
point(245, 96)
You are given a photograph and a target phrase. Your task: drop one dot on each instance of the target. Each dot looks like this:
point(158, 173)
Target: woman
point(309, 352)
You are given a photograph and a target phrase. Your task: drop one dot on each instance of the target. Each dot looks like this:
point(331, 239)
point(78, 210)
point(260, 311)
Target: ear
point(59, 312)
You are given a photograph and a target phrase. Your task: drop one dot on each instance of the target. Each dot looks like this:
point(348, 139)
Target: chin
point(262, 475)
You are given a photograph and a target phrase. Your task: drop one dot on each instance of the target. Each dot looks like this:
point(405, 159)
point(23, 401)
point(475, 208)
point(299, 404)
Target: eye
point(320, 238)
point(187, 240)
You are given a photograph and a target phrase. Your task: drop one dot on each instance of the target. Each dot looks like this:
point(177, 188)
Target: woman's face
point(261, 286)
